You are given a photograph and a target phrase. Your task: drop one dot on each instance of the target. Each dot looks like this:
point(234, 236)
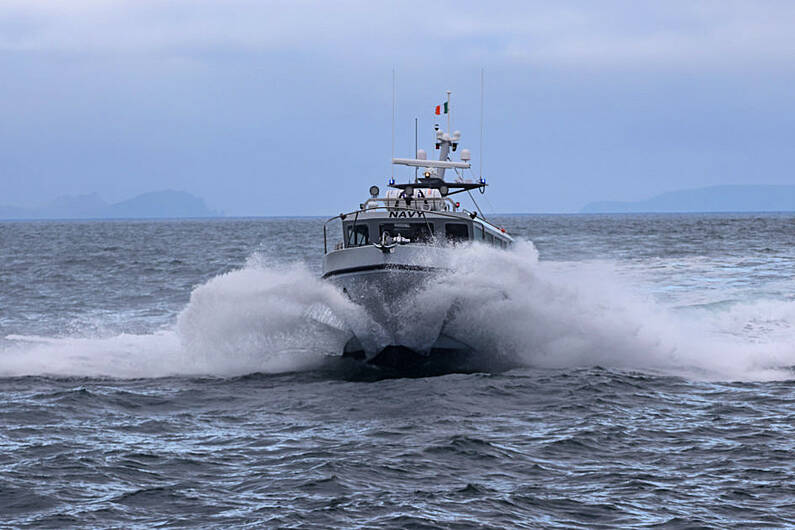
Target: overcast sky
point(284, 108)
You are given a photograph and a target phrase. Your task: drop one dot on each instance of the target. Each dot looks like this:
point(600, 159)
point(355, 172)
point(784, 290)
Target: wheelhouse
point(421, 212)
point(404, 225)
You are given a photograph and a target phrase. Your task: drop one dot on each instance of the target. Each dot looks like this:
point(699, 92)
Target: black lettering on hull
point(406, 214)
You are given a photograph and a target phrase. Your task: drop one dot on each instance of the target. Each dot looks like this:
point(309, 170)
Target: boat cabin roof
point(426, 218)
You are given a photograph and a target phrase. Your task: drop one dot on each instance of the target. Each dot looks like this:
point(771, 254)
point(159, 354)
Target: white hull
point(403, 328)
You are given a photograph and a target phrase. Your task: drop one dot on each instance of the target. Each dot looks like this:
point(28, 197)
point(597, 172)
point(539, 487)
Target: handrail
point(435, 212)
point(444, 199)
point(441, 213)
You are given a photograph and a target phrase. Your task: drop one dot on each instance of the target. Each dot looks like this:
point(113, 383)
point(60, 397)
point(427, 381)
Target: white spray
point(275, 318)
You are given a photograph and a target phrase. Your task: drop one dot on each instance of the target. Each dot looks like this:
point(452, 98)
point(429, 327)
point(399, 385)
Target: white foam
point(272, 318)
point(563, 317)
point(263, 318)
point(124, 356)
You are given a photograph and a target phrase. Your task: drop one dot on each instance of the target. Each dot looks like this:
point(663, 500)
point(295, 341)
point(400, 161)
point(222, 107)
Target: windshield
point(413, 232)
point(358, 237)
point(456, 232)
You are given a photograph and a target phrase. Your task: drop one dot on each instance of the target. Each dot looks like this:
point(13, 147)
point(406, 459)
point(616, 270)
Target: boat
point(396, 244)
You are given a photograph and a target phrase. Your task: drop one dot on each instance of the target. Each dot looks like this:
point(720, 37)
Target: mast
point(393, 120)
point(480, 157)
point(443, 144)
point(433, 171)
point(416, 146)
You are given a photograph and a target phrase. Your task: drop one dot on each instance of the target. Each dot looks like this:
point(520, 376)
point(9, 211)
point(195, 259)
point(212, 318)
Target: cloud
point(670, 34)
point(612, 34)
point(619, 97)
point(144, 26)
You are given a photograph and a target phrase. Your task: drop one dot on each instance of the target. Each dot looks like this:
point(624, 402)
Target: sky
point(284, 108)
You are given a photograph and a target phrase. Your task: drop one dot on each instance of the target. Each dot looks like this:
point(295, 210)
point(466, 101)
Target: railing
point(453, 206)
point(442, 213)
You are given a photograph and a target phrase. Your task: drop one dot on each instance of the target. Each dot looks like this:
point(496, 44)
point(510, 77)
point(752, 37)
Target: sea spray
point(267, 317)
point(263, 318)
point(542, 314)
point(124, 356)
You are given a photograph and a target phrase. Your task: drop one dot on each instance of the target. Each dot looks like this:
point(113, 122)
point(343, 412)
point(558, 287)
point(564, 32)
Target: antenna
point(393, 123)
point(481, 123)
point(449, 112)
point(416, 146)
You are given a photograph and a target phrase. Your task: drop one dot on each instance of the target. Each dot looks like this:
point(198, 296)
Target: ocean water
point(633, 371)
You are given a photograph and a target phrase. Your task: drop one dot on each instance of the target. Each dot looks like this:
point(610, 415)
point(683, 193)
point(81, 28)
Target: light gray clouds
point(606, 33)
point(585, 100)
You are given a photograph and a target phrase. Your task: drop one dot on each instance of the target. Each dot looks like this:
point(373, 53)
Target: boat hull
point(405, 323)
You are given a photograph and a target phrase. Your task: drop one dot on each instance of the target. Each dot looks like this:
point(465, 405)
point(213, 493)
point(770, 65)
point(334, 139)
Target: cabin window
point(456, 232)
point(414, 232)
point(479, 233)
point(359, 237)
point(489, 239)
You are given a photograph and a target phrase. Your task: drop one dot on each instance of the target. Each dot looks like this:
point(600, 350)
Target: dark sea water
point(179, 373)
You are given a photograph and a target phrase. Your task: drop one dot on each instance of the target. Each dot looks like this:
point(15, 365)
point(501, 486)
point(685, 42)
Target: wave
point(271, 318)
point(556, 316)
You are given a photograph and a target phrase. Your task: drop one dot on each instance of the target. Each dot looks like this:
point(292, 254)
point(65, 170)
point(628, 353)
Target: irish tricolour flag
point(441, 109)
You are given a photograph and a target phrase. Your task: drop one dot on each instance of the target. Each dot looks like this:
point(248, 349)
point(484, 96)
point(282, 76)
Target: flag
point(441, 109)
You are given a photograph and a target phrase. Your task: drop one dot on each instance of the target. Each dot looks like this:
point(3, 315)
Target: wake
point(510, 307)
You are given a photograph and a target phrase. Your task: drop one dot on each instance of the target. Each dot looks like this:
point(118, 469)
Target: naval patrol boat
point(395, 245)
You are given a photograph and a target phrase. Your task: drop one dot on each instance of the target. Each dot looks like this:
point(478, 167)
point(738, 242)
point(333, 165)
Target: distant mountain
point(161, 204)
point(68, 206)
point(157, 204)
point(711, 199)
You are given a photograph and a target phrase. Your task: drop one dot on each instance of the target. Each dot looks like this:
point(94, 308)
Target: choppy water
point(176, 373)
